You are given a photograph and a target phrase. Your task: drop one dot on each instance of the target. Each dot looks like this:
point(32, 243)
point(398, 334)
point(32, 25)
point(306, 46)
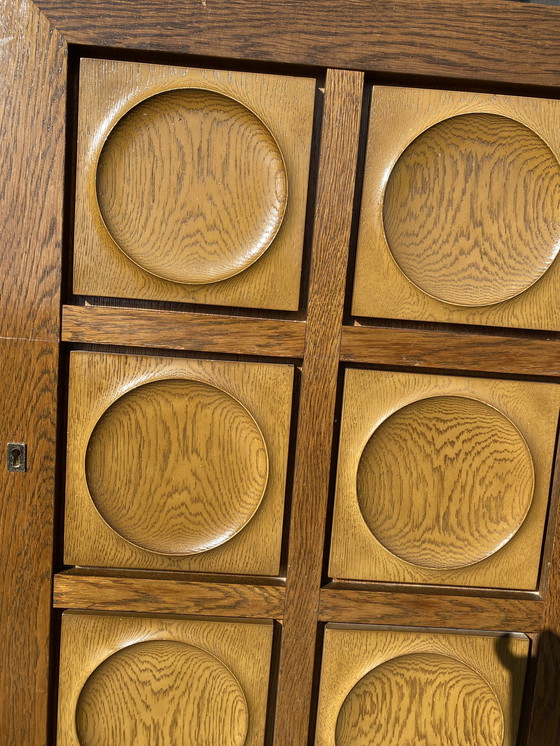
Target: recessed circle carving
point(421, 698)
point(445, 482)
point(177, 466)
point(192, 186)
point(163, 692)
point(471, 209)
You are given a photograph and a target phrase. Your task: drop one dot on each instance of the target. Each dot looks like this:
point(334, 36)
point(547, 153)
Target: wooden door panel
point(125, 311)
point(459, 219)
point(127, 679)
point(224, 233)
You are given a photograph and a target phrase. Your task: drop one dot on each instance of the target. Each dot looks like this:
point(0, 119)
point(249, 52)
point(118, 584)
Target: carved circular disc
point(192, 186)
point(177, 466)
point(471, 210)
point(162, 692)
point(421, 698)
point(445, 482)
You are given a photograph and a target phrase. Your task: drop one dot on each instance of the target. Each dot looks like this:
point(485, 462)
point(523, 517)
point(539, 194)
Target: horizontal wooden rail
point(451, 350)
point(178, 330)
point(474, 39)
point(102, 592)
point(423, 610)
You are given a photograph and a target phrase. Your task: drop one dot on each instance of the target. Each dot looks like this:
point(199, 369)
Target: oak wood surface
point(470, 39)
point(111, 422)
point(487, 187)
point(454, 703)
point(183, 331)
point(124, 679)
point(162, 689)
point(387, 687)
point(445, 481)
point(166, 595)
point(32, 121)
point(28, 388)
point(218, 180)
point(228, 229)
point(374, 402)
point(177, 466)
point(427, 610)
point(339, 141)
point(451, 350)
point(463, 203)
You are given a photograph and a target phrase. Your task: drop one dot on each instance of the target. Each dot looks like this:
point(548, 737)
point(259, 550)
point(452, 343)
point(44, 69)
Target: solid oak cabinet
point(280, 375)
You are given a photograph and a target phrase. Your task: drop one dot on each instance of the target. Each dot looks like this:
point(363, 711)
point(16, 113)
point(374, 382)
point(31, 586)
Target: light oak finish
point(333, 218)
point(177, 467)
point(176, 464)
point(445, 482)
point(402, 688)
point(435, 480)
point(164, 690)
point(225, 232)
point(459, 219)
point(181, 330)
point(470, 210)
point(166, 593)
point(170, 681)
point(451, 350)
point(192, 186)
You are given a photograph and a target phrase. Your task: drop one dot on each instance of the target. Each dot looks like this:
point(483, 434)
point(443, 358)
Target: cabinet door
point(307, 589)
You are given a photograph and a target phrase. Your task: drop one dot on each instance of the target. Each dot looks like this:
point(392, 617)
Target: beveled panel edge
point(418, 610)
point(183, 330)
point(450, 350)
point(149, 595)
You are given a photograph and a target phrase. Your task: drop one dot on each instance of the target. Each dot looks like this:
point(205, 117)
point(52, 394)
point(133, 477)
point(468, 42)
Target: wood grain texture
point(231, 222)
point(454, 39)
point(456, 182)
point(371, 399)
point(177, 466)
point(426, 610)
point(28, 387)
point(173, 681)
point(258, 402)
point(495, 353)
point(333, 214)
point(166, 595)
point(192, 186)
point(401, 688)
point(162, 690)
point(32, 123)
point(470, 209)
point(183, 331)
point(421, 697)
point(445, 481)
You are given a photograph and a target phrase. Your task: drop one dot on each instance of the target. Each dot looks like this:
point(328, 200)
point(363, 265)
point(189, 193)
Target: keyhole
point(17, 457)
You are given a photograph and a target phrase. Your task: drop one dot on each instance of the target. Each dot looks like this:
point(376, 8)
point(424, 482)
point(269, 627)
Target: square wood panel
point(191, 184)
point(176, 464)
point(442, 479)
point(395, 687)
point(130, 679)
point(459, 216)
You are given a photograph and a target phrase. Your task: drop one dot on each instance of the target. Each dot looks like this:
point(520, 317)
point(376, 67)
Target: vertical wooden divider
point(333, 218)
